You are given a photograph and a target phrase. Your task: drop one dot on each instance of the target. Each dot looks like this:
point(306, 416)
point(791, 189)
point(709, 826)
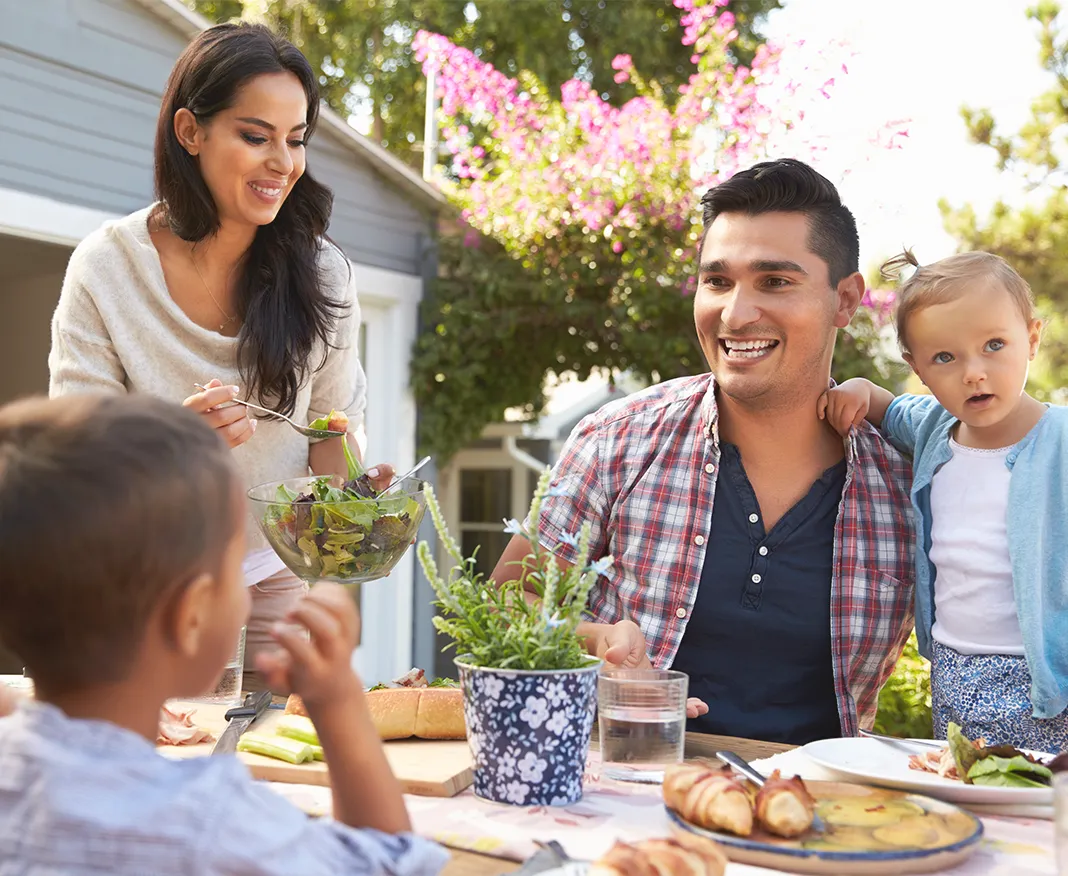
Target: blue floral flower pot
point(529, 732)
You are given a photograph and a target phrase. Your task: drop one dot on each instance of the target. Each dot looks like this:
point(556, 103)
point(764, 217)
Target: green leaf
point(1017, 772)
point(354, 512)
point(355, 469)
point(965, 754)
point(397, 506)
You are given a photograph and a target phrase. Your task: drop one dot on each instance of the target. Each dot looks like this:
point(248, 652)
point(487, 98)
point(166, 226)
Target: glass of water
point(228, 691)
point(641, 715)
point(1060, 821)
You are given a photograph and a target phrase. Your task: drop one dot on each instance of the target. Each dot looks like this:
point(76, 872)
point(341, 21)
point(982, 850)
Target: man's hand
point(695, 708)
point(319, 670)
point(621, 645)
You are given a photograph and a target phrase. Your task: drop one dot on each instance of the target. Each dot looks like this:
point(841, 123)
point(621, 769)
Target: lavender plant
point(499, 626)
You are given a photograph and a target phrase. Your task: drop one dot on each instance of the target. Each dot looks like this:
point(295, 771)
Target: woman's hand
point(381, 475)
point(231, 421)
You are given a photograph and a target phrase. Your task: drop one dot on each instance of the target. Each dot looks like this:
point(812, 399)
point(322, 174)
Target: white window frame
point(389, 305)
point(474, 459)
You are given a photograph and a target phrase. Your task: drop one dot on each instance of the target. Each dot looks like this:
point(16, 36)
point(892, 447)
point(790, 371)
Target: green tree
point(586, 260)
point(362, 48)
point(1033, 237)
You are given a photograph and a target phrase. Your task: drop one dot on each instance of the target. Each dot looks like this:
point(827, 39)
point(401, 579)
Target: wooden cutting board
point(426, 767)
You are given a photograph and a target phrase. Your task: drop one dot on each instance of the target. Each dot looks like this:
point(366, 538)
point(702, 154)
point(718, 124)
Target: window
point(485, 501)
point(482, 486)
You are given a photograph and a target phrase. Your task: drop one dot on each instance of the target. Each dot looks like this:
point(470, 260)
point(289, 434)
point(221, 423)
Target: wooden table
point(698, 745)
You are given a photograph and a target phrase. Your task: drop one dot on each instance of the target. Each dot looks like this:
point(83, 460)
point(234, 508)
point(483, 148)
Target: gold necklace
point(229, 319)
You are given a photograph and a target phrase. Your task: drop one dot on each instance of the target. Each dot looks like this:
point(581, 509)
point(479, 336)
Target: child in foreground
point(121, 586)
point(990, 496)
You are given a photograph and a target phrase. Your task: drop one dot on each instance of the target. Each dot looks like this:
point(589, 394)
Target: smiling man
point(754, 548)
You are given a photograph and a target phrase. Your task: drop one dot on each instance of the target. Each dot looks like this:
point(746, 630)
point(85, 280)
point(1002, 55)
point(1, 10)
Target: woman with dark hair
point(228, 280)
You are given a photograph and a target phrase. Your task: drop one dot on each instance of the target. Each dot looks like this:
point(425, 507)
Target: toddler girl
point(990, 496)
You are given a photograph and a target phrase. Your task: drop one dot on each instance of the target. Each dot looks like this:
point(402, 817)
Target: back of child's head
point(948, 279)
point(109, 506)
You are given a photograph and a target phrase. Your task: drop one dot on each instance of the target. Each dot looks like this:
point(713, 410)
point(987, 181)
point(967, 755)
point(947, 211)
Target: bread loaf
point(404, 712)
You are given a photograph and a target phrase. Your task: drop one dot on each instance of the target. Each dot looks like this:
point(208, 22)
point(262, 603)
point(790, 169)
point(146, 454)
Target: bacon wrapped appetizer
point(683, 855)
point(784, 807)
point(176, 727)
point(715, 799)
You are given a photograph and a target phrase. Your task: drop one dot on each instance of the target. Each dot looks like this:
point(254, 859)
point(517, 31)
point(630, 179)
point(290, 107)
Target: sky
point(920, 60)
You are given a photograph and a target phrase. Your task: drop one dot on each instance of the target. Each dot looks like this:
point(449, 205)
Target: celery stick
point(317, 752)
point(278, 747)
point(298, 727)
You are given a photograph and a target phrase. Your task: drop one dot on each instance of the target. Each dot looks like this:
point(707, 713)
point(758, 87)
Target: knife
point(239, 718)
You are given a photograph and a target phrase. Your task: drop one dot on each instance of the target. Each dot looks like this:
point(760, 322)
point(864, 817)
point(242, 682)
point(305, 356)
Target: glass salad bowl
point(324, 530)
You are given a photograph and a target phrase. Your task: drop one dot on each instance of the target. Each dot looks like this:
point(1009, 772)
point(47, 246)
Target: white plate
point(883, 763)
point(572, 868)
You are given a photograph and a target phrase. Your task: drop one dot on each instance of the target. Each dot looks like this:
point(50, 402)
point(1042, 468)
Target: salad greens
point(332, 422)
point(997, 765)
point(1011, 772)
point(345, 532)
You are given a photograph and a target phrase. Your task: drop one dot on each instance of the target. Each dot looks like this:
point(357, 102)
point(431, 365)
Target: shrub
point(905, 700)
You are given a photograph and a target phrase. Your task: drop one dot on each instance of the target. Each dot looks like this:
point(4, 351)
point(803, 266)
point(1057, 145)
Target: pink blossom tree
point(582, 219)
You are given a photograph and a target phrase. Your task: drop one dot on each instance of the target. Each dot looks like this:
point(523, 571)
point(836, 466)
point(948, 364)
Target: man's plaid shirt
point(643, 470)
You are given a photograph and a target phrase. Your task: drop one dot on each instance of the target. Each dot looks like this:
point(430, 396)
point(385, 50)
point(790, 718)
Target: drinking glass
point(228, 691)
point(641, 716)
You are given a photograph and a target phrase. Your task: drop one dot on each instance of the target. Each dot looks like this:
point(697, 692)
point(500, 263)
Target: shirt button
point(756, 579)
point(699, 540)
point(680, 612)
point(710, 468)
point(763, 551)
point(753, 518)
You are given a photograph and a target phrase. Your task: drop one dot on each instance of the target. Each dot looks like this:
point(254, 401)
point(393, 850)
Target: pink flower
point(546, 175)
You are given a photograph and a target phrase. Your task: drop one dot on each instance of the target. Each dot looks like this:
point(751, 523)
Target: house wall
point(80, 87)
